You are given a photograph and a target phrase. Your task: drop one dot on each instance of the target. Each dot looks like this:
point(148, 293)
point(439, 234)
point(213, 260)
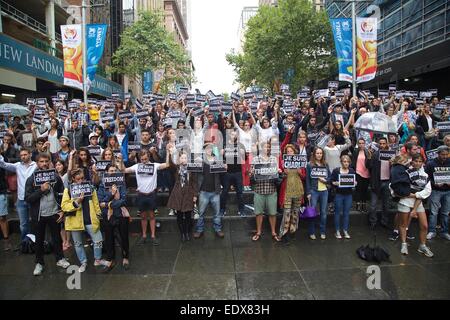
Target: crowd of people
point(65, 165)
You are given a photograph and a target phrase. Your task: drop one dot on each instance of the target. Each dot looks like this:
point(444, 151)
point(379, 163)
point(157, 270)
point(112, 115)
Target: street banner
point(366, 49)
point(73, 55)
point(95, 42)
point(342, 31)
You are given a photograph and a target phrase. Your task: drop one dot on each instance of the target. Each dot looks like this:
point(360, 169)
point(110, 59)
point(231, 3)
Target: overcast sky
point(214, 32)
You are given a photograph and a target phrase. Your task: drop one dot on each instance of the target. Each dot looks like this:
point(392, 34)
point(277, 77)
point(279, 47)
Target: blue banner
point(20, 57)
point(147, 83)
point(95, 42)
point(342, 31)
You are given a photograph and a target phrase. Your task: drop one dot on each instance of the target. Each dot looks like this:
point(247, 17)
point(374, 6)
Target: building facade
point(31, 51)
point(413, 41)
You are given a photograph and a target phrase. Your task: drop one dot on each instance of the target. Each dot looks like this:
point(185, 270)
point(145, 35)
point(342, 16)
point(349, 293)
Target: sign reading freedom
point(110, 179)
point(266, 171)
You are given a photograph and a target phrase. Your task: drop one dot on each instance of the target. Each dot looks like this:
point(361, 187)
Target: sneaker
point(337, 235)
point(99, 263)
point(142, 241)
point(394, 236)
point(446, 236)
point(38, 269)
point(431, 235)
point(323, 236)
point(312, 236)
point(63, 263)
point(155, 241)
point(425, 250)
point(409, 235)
point(346, 235)
point(158, 224)
point(404, 249)
point(82, 268)
point(171, 212)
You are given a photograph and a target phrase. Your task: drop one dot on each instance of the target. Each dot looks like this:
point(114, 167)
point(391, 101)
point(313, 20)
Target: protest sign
point(347, 181)
point(432, 154)
point(125, 114)
point(319, 172)
point(134, 146)
point(31, 101)
point(195, 167)
point(333, 84)
point(78, 189)
point(110, 179)
point(146, 169)
point(41, 101)
point(443, 126)
point(295, 161)
point(217, 168)
point(101, 165)
point(95, 151)
point(142, 114)
point(386, 155)
point(266, 171)
point(441, 177)
point(43, 176)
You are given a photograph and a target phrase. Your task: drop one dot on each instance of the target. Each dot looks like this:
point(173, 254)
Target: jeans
point(40, 237)
point(96, 237)
point(232, 178)
point(206, 198)
point(439, 200)
point(117, 225)
point(342, 205)
point(384, 194)
point(23, 210)
point(319, 197)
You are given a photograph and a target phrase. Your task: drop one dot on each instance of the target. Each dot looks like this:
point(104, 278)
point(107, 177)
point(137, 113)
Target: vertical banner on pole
point(73, 55)
point(95, 42)
point(342, 31)
point(366, 48)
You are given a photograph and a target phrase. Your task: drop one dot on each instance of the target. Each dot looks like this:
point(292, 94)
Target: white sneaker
point(323, 236)
point(346, 235)
point(171, 212)
point(101, 262)
point(63, 263)
point(426, 251)
point(404, 249)
point(312, 236)
point(446, 236)
point(338, 235)
point(82, 268)
point(38, 269)
point(431, 235)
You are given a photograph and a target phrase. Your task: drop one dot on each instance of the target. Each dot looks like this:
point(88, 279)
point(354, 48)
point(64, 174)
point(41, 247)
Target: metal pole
point(354, 47)
point(83, 37)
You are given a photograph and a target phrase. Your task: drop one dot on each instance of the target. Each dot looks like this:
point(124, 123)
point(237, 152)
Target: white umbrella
point(16, 110)
point(376, 122)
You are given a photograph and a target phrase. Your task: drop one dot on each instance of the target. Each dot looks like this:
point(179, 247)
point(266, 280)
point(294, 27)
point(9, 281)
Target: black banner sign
point(43, 176)
point(146, 169)
point(77, 189)
point(217, 168)
point(266, 171)
point(347, 181)
point(319, 172)
point(134, 146)
point(102, 164)
point(110, 179)
point(386, 155)
point(295, 161)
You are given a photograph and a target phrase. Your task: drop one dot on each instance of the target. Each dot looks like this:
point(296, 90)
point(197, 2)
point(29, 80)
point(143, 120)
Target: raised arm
point(6, 165)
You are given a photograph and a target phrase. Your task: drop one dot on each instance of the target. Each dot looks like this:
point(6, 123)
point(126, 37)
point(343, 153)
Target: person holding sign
point(439, 172)
point(344, 180)
point(291, 195)
point(265, 188)
point(146, 178)
point(82, 213)
point(44, 199)
point(115, 218)
point(317, 177)
point(208, 184)
point(183, 196)
point(82, 159)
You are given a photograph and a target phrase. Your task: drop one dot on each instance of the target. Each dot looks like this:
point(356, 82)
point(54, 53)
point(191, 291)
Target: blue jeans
point(23, 210)
point(206, 198)
point(319, 197)
point(96, 237)
point(342, 205)
point(439, 201)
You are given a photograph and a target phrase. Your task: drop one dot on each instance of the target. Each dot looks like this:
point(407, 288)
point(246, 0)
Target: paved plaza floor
point(237, 268)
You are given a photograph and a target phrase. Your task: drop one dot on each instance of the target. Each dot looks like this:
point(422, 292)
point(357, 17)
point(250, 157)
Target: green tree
point(145, 46)
point(291, 39)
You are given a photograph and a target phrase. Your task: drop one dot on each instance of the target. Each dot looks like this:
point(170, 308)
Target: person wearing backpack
point(45, 210)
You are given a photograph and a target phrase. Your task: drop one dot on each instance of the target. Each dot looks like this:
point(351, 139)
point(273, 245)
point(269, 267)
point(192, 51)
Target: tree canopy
point(291, 43)
point(147, 46)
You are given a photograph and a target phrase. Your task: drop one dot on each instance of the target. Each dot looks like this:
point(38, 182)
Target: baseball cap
point(64, 137)
point(92, 134)
point(442, 149)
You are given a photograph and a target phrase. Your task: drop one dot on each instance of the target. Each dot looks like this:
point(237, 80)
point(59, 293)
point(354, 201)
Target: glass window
point(392, 20)
point(412, 12)
point(431, 6)
point(434, 23)
point(433, 37)
point(390, 7)
point(412, 34)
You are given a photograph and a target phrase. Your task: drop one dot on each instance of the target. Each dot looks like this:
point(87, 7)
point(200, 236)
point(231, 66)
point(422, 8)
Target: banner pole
point(83, 39)
point(354, 48)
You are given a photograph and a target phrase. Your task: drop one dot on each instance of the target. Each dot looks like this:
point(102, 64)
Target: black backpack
point(27, 246)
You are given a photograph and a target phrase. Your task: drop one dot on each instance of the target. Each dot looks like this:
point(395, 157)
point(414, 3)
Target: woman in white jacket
point(412, 205)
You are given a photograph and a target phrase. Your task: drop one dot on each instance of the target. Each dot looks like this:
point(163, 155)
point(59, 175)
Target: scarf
point(183, 175)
